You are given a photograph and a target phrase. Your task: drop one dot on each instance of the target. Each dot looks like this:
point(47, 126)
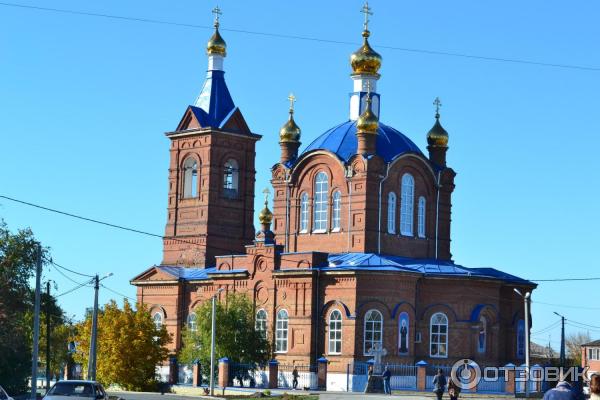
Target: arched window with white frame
point(337, 211)
point(407, 196)
point(482, 335)
point(335, 332)
point(231, 178)
point(438, 336)
point(281, 332)
point(190, 178)
point(157, 318)
point(421, 217)
point(321, 203)
point(391, 214)
point(304, 213)
point(373, 330)
point(260, 323)
point(191, 322)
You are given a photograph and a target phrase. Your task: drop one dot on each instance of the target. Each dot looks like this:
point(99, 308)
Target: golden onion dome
point(290, 131)
point(365, 60)
point(368, 121)
point(265, 216)
point(437, 136)
point(216, 45)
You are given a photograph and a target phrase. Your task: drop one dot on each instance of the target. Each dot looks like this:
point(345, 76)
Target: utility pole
point(36, 323)
point(47, 336)
point(562, 340)
point(526, 299)
point(92, 355)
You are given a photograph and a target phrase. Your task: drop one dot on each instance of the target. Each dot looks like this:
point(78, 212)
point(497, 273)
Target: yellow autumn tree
point(129, 346)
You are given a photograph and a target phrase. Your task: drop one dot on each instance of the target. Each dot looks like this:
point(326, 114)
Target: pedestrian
point(369, 379)
point(595, 387)
point(295, 375)
point(387, 376)
point(453, 390)
point(562, 391)
point(439, 384)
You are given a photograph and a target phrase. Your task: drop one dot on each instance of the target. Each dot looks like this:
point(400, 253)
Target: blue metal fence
point(403, 376)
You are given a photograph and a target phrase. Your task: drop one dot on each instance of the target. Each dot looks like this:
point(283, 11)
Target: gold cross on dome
point(217, 13)
point(266, 192)
point(292, 100)
point(437, 103)
point(367, 11)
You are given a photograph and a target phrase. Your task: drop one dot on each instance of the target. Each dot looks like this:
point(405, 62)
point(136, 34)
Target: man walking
point(439, 384)
point(295, 375)
point(387, 376)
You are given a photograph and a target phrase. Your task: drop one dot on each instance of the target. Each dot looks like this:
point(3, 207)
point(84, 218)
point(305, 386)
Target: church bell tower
point(211, 173)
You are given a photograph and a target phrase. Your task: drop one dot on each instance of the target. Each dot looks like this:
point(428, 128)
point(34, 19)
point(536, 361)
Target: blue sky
point(86, 101)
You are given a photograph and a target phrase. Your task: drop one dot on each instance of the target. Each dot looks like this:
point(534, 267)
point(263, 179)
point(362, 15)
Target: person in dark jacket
point(369, 379)
point(387, 376)
point(439, 384)
point(453, 390)
point(562, 391)
point(295, 376)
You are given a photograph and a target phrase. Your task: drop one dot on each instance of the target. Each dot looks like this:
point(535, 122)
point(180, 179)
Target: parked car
point(4, 395)
point(76, 390)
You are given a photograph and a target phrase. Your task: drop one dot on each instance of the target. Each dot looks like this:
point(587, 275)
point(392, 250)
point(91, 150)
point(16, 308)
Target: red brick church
point(356, 251)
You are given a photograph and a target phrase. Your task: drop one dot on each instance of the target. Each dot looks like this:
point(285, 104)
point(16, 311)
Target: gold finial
point(368, 121)
point(290, 131)
point(266, 216)
point(437, 135)
point(437, 103)
point(217, 13)
point(216, 44)
point(366, 10)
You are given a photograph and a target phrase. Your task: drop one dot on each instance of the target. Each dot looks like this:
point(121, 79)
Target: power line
point(68, 277)
point(546, 329)
point(67, 269)
point(118, 294)
point(581, 323)
point(566, 305)
point(300, 37)
point(566, 279)
point(73, 289)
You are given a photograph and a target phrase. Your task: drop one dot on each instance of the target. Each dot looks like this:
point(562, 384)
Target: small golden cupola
point(367, 122)
point(437, 135)
point(289, 135)
point(216, 44)
point(265, 217)
point(365, 60)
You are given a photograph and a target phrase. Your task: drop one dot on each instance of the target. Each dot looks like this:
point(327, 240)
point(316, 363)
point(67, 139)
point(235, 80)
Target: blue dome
point(342, 141)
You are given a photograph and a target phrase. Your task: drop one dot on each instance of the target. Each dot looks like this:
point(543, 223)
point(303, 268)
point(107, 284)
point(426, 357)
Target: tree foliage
point(18, 255)
point(236, 337)
point(129, 346)
point(573, 344)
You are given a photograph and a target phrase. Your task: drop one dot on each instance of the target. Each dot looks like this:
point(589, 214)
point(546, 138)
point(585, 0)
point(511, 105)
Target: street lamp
point(526, 300)
point(212, 342)
point(92, 358)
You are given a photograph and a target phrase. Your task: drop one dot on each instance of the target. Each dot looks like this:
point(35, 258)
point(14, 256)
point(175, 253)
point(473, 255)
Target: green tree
point(236, 337)
point(18, 254)
point(573, 344)
point(129, 346)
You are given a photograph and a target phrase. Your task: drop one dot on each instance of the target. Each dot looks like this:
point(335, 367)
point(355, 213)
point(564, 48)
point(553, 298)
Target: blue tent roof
point(341, 140)
point(214, 105)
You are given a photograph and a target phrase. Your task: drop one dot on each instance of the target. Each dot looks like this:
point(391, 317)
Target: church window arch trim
point(336, 217)
point(191, 177)
point(438, 335)
point(407, 197)
point(335, 332)
point(281, 331)
point(321, 202)
point(373, 330)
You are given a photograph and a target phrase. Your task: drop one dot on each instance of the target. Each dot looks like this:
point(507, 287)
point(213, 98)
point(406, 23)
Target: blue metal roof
point(187, 274)
point(214, 105)
point(341, 140)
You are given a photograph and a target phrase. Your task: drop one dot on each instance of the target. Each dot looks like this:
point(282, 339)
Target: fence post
point(421, 375)
point(173, 372)
point(510, 386)
point(223, 380)
point(322, 373)
point(197, 374)
point(347, 377)
point(273, 373)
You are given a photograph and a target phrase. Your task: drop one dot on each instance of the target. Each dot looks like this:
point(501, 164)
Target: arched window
point(482, 335)
point(421, 217)
point(406, 205)
point(158, 320)
point(335, 332)
point(320, 203)
point(260, 323)
point(337, 211)
point(521, 339)
point(190, 178)
point(391, 215)
point(373, 330)
point(191, 322)
point(304, 213)
point(230, 178)
point(438, 336)
point(281, 332)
